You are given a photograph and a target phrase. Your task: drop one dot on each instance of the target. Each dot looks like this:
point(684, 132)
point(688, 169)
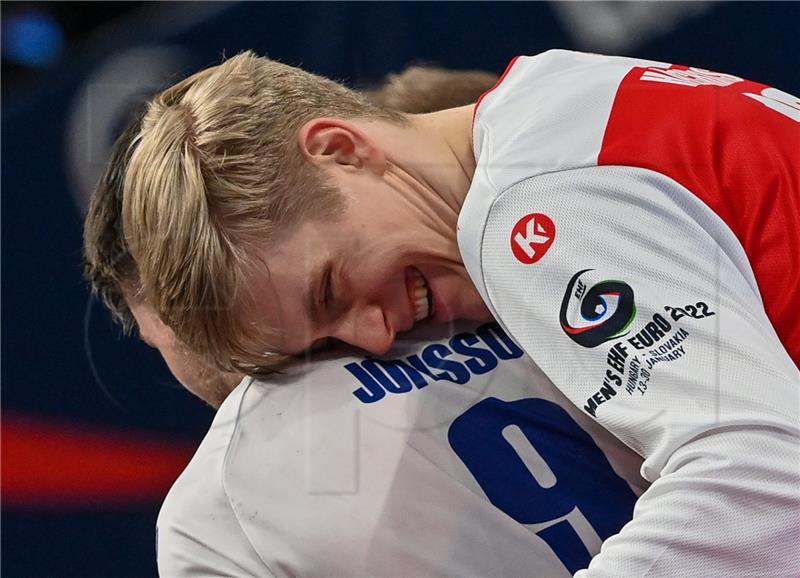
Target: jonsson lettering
point(465, 355)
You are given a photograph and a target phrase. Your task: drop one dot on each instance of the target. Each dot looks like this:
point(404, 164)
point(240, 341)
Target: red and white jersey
point(635, 227)
point(451, 456)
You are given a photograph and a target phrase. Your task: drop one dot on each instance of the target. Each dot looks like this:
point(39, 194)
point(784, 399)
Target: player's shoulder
point(198, 495)
point(198, 532)
point(547, 113)
point(553, 65)
point(556, 74)
point(202, 477)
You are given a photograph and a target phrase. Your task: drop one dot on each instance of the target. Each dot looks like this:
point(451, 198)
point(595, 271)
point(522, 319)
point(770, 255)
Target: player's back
point(451, 456)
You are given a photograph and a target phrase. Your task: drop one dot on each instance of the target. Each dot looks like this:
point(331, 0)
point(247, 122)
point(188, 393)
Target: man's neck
point(452, 164)
point(435, 150)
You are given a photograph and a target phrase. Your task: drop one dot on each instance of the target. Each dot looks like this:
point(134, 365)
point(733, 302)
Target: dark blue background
point(62, 358)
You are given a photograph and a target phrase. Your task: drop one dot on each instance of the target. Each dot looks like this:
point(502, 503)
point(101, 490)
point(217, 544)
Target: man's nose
point(366, 327)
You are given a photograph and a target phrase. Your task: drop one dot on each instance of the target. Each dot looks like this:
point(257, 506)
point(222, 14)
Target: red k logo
point(531, 237)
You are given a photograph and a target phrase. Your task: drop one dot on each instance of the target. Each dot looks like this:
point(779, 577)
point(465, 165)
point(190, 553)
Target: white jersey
point(451, 456)
point(635, 227)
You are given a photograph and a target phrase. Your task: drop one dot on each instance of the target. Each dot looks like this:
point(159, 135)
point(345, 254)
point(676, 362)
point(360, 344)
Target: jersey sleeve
point(639, 304)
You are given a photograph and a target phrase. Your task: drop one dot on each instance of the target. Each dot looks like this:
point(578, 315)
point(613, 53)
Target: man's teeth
point(421, 309)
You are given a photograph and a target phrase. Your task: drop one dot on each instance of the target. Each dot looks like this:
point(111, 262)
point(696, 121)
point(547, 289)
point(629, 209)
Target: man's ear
point(334, 141)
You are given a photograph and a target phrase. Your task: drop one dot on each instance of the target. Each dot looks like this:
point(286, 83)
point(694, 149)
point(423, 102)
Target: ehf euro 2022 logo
point(595, 312)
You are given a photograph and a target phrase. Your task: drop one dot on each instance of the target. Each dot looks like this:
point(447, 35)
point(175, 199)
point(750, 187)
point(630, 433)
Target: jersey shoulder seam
point(223, 470)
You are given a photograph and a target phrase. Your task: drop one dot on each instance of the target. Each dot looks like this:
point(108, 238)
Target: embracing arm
point(725, 504)
point(645, 312)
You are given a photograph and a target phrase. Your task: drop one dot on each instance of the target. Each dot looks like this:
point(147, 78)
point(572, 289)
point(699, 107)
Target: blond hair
point(215, 170)
point(426, 88)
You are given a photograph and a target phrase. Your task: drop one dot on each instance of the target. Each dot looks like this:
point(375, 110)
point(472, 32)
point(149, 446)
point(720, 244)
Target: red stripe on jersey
point(740, 156)
point(496, 84)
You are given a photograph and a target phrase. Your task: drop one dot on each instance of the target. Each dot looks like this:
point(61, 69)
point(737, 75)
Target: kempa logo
point(531, 237)
point(593, 313)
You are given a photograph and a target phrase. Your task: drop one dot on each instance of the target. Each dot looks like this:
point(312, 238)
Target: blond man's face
point(362, 278)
